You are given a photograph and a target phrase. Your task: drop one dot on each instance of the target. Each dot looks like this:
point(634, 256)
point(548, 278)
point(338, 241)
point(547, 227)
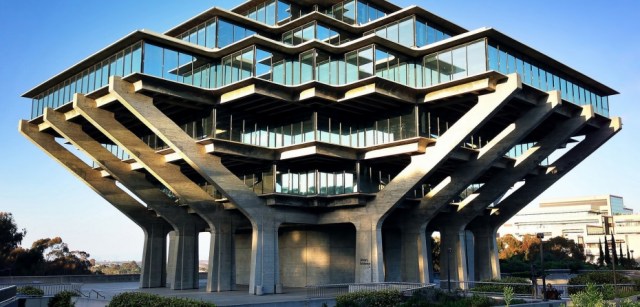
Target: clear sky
point(39, 39)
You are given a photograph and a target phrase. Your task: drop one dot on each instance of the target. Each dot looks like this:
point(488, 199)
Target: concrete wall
point(316, 255)
point(309, 255)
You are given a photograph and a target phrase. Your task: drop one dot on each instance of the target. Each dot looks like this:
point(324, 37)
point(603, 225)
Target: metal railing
point(333, 290)
point(526, 291)
point(51, 289)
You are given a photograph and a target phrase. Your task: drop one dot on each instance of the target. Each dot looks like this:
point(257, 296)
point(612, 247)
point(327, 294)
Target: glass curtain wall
point(355, 12)
point(410, 32)
point(310, 31)
point(123, 63)
point(506, 61)
point(455, 63)
point(215, 33)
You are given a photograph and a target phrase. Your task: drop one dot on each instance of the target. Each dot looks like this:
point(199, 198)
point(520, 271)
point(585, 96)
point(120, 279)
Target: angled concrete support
point(453, 185)
point(182, 268)
point(211, 168)
point(153, 226)
point(168, 174)
point(420, 167)
point(534, 186)
point(182, 222)
point(475, 204)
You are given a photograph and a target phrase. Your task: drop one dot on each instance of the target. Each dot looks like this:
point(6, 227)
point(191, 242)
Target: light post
point(448, 270)
point(540, 236)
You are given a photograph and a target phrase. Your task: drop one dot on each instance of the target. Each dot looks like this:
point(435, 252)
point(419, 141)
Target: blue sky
point(42, 38)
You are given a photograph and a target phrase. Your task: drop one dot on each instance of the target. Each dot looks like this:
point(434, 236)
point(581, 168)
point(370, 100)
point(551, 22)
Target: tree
point(614, 253)
point(621, 254)
point(607, 258)
point(10, 237)
point(508, 246)
point(435, 253)
point(601, 255)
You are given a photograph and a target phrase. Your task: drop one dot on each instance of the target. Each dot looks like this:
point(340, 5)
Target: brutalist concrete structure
point(318, 141)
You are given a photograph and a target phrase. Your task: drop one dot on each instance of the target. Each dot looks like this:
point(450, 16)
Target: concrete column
point(221, 275)
point(154, 272)
point(487, 264)
point(416, 255)
point(183, 260)
point(369, 259)
point(265, 267)
point(453, 265)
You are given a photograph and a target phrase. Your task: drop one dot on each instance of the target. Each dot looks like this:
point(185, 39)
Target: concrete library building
point(318, 141)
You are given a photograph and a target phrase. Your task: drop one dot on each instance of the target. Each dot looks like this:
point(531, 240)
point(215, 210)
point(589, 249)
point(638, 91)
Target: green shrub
point(508, 295)
point(383, 298)
point(591, 296)
point(62, 299)
point(498, 285)
point(598, 278)
point(30, 291)
point(138, 299)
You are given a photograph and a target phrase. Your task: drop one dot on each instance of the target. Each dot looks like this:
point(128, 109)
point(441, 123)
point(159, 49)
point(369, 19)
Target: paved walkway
point(240, 297)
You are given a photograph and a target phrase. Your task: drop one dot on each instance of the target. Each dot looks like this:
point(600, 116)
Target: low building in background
point(581, 219)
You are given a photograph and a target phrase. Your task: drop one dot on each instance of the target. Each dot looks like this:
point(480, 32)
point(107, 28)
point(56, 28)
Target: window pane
point(445, 66)
point(127, 62)
point(306, 62)
point(211, 34)
point(349, 12)
point(136, 59)
point(284, 11)
point(392, 32)
point(351, 59)
point(459, 64)
point(476, 58)
point(225, 33)
point(421, 34)
point(362, 13)
point(271, 13)
point(406, 33)
point(365, 58)
point(170, 65)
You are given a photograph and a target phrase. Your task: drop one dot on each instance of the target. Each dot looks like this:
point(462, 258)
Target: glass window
point(127, 62)
point(308, 32)
point(270, 13)
point(306, 62)
point(247, 63)
point(349, 12)
point(365, 58)
point(431, 35)
point(421, 34)
point(210, 34)
point(119, 64)
point(170, 71)
point(284, 10)
point(406, 33)
point(202, 38)
point(382, 63)
point(362, 13)
point(476, 58)
point(392, 32)
point(445, 67)
point(263, 64)
point(136, 60)
point(225, 33)
point(351, 60)
point(92, 80)
point(431, 70)
point(459, 64)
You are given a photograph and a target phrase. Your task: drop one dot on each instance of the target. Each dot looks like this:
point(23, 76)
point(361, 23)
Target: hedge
point(497, 285)
point(138, 299)
point(383, 298)
point(62, 299)
point(30, 291)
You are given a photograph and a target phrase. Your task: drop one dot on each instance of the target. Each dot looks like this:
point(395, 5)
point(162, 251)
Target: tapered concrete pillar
point(369, 261)
point(486, 264)
point(154, 260)
point(453, 258)
point(222, 256)
point(265, 272)
point(183, 251)
point(415, 255)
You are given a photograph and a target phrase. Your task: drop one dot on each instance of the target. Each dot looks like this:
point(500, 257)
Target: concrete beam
point(185, 225)
point(168, 174)
point(485, 226)
point(153, 226)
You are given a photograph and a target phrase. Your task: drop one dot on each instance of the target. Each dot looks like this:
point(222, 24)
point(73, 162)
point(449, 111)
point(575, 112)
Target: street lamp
point(540, 236)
